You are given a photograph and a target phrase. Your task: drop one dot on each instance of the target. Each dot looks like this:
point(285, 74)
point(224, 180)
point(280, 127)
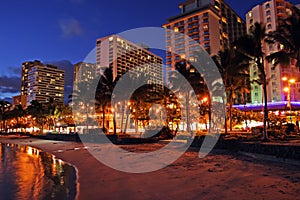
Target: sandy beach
point(220, 175)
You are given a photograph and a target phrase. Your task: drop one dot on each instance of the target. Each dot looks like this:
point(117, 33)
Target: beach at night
point(222, 174)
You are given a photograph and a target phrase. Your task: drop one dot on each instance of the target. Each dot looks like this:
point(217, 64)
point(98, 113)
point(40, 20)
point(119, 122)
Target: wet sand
point(220, 175)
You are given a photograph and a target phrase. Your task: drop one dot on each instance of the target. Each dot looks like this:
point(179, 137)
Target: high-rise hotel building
point(41, 82)
point(26, 66)
point(83, 72)
point(269, 14)
point(211, 23)
point(123, 55)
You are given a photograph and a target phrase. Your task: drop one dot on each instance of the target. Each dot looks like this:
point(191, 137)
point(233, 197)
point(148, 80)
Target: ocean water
point(27, 173)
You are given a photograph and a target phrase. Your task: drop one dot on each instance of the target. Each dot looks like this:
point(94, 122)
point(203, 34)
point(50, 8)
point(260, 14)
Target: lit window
point(176, 29)
point(273, 62)
point(224, 20)
point(281, 46)
point(225, 35)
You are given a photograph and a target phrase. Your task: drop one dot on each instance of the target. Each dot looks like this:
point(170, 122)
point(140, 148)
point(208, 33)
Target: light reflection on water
point(27, 173)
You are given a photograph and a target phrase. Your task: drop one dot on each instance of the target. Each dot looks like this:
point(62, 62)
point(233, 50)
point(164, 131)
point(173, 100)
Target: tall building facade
point(44, 82)
point(211, 23)
point(123, 55)
point(269, 14)
point(26, 67)
point(83, 72)
point(19, 100)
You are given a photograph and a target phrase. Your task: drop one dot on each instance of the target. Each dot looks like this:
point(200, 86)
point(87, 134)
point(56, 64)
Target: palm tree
point(17, 113)
point(51, 111)
point(168, 99)
point(4, 108)
point(287, 36)
point(104, 92)
point(83, 99)
point(251, 45)
point(195, 81)
point(233, 67)
point(37, 110)
point(65, 114)
point(141, 99)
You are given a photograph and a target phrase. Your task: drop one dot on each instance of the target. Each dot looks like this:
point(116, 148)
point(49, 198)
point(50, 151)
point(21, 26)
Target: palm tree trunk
point(123, 109)
point(230, 108)
point(265, 136)
point(260, 65)
point(230, 116)
point(126, 122)
point(187, 99)
point(114, 123)
point(136, 126)
point(42, 126)
point(86, 121)
point(209, 115)
point(225, 125)
point(103, 117)
point(53, 123)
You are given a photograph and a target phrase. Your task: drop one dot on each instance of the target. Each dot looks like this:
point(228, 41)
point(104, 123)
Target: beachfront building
point(122, 55)
point(26, 67)
point(211, 23)
point(269, 13)
point(44, 82)
point(19, 100)
point(83, 72)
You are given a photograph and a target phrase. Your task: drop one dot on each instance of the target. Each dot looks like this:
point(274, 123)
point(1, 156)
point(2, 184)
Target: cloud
point(10, 84)
point(70, 27)
point(9, 99)
point(16, 70)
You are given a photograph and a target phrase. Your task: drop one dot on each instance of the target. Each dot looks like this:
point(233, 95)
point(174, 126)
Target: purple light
point(271, 105)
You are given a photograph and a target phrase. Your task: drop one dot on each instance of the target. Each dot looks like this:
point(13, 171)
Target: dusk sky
point(67, 29)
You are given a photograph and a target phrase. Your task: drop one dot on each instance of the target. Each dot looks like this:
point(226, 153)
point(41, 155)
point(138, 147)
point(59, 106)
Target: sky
point(56, 30)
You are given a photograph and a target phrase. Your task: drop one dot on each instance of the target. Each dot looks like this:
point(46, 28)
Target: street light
point(288, 90)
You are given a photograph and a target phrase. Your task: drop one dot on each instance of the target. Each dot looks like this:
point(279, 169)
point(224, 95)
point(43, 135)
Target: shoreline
point(187, 178)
